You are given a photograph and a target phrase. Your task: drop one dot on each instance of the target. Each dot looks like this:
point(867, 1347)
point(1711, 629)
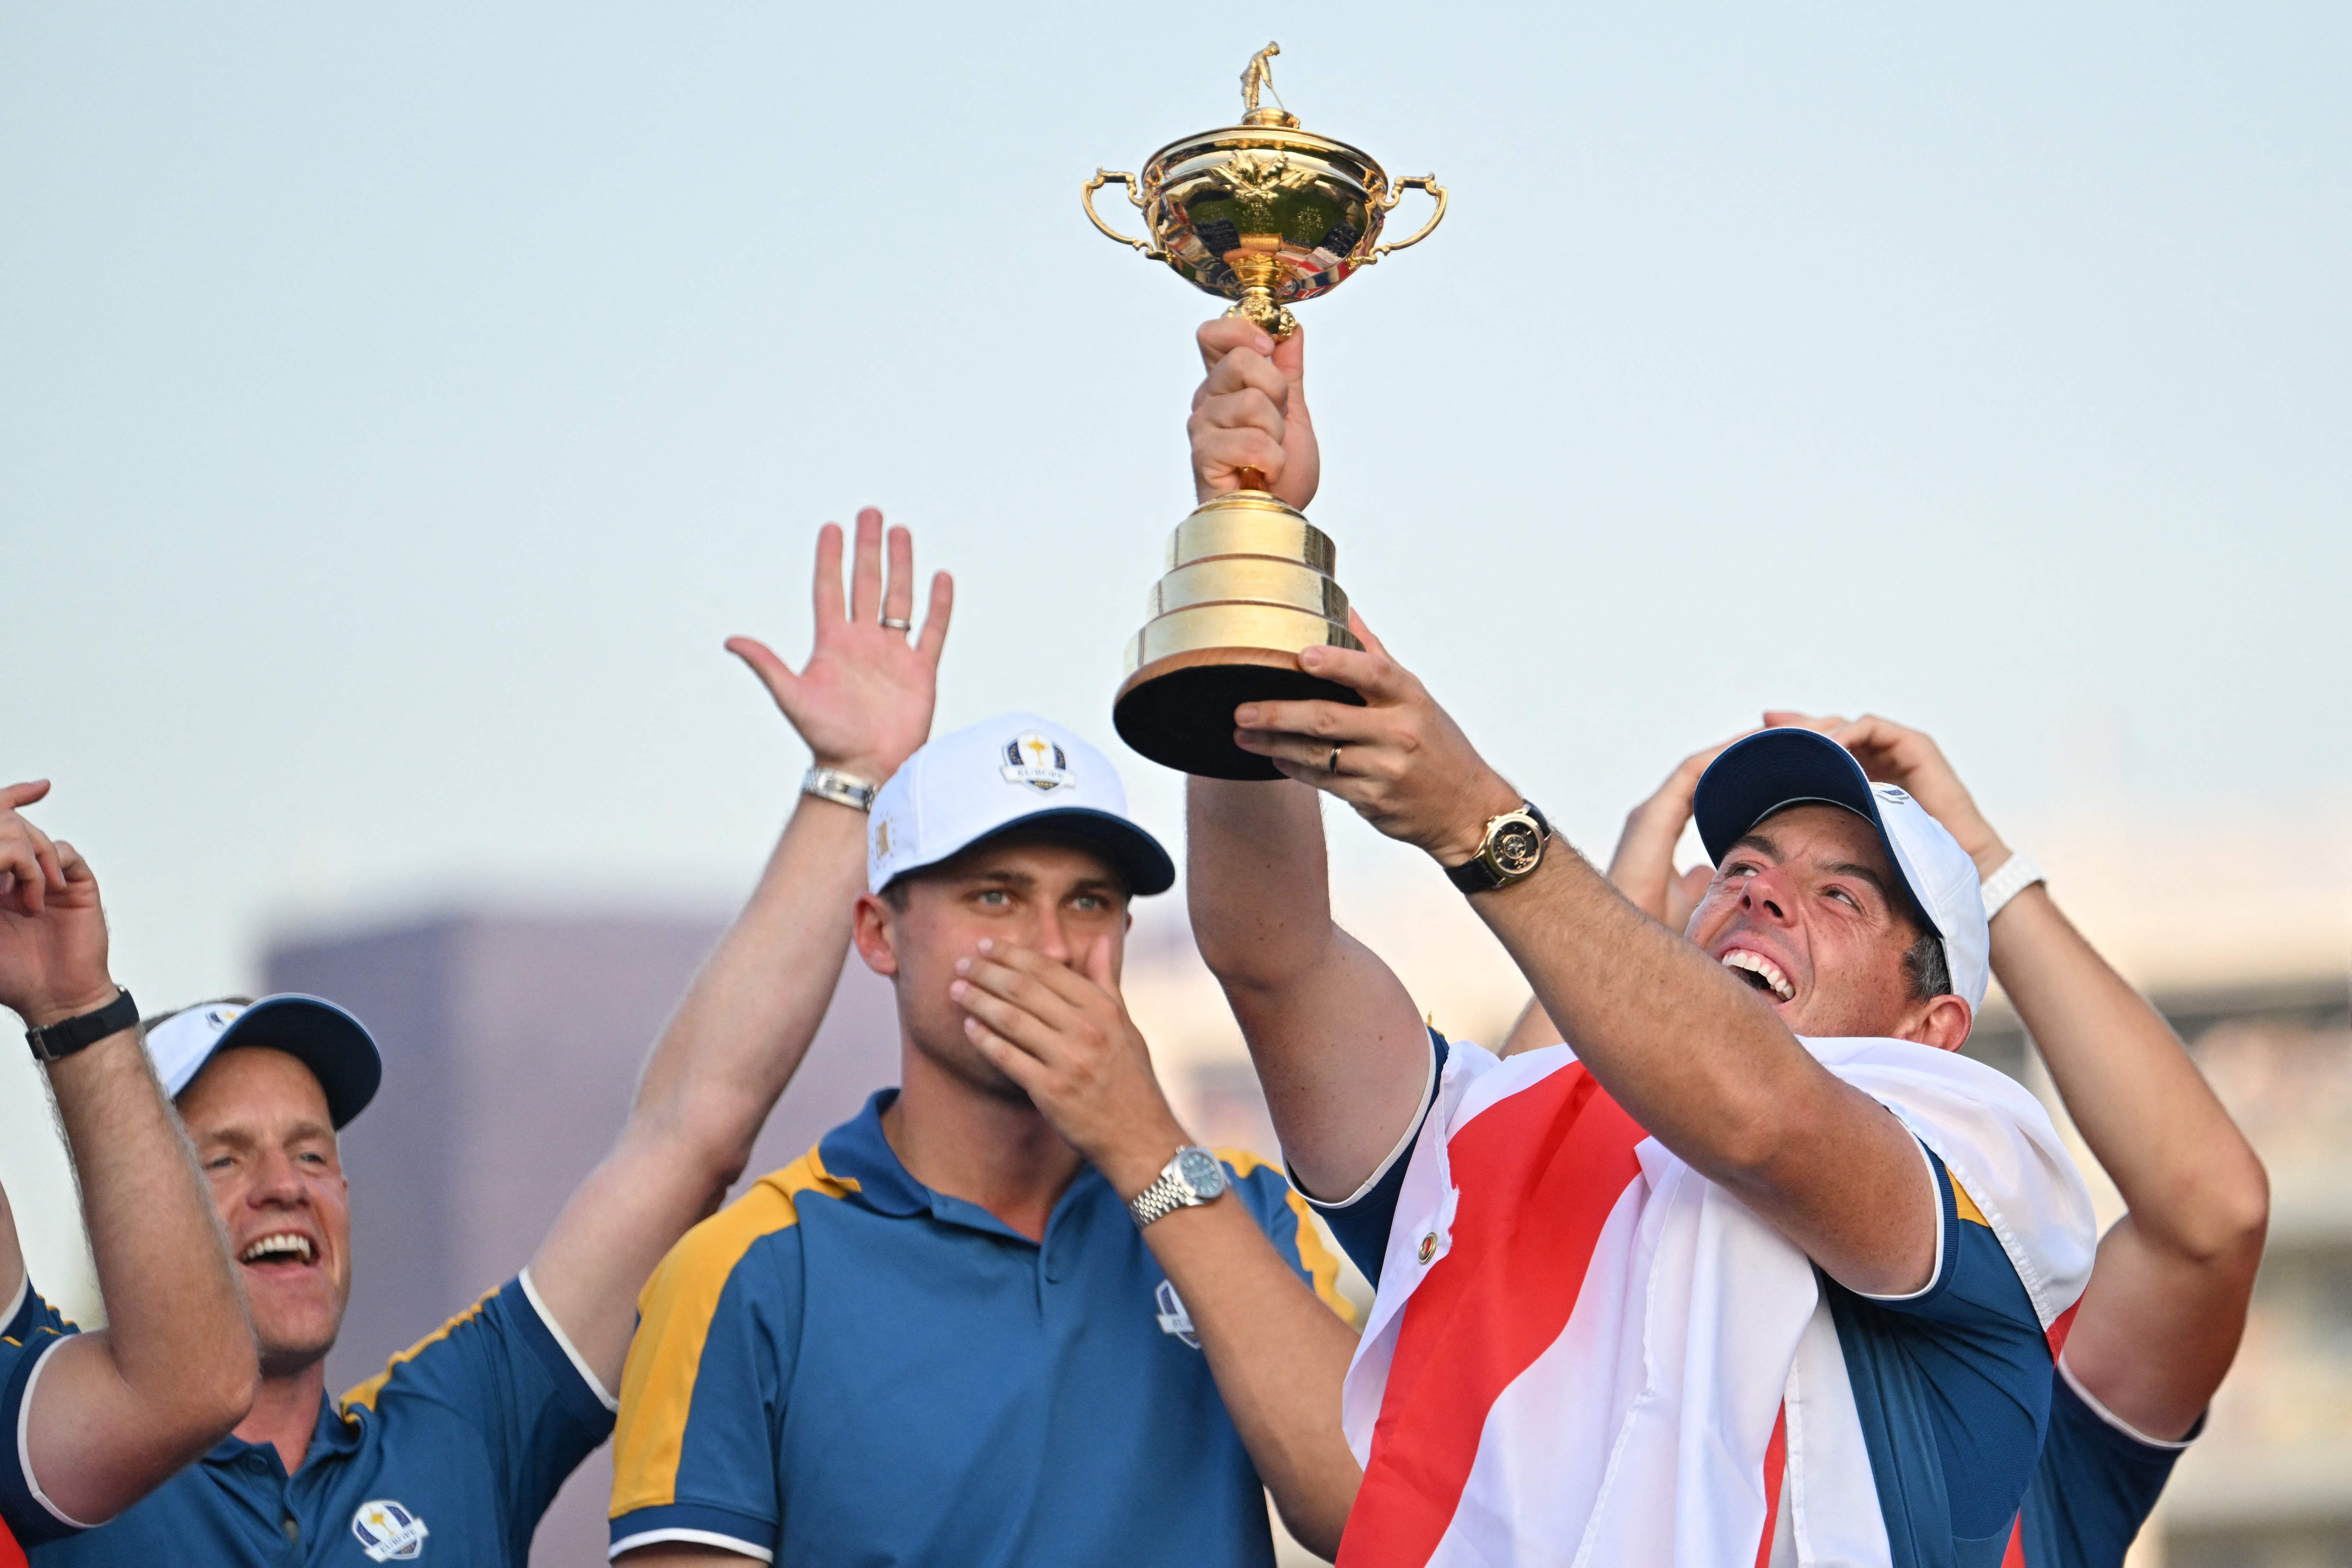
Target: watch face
point(1201, 1171)
point(1516, 847)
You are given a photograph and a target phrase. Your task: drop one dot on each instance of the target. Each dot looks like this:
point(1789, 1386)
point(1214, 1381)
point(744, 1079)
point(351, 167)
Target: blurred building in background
point(511, 1048)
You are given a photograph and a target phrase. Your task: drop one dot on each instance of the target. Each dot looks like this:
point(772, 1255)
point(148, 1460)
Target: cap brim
point(1136, 854)
point(335, 1046)
point(1782, 768)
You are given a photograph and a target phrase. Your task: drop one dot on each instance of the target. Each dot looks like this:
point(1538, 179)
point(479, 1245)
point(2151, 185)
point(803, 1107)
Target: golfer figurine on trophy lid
point(1265, 214)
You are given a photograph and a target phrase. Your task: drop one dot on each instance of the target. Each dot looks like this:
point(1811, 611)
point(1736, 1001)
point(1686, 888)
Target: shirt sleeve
point(695, 1457)
point(34, 1328)
point(1952, 1378)
point(506, 1367)
point(2095, 1485)
point(1283, 1214)
point(1361, 1222)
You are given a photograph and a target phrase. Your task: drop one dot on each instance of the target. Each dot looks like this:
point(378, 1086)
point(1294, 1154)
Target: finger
point(25, 794)
point(829, 606)
point(898, 591)
point(1245, 371)
point(1016, 1024)
point(72, 867)
point(1789, 718)
point(1031, 981)
point(1304, 751)
point(23, 871)
point(1219, 337)
point(1333, 724)
point(934, 635)
point(866, 569)
point(1009, 1059)
point(1368, 671)
point(773, 673)
point(1219, 455)
point(44, 854)
point(1101, 968)
point(1248, 409)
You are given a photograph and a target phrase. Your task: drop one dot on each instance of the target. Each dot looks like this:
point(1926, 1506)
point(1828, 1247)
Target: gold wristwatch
point(1513, 847)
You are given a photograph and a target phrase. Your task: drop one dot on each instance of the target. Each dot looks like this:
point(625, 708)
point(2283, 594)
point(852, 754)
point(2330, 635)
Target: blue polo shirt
point(33, 1328)
point(2097, 1484)
point(448, 1455)
point(845, 1366)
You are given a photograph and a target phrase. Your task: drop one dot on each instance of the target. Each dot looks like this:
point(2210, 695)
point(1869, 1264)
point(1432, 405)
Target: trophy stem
point(1257, 266)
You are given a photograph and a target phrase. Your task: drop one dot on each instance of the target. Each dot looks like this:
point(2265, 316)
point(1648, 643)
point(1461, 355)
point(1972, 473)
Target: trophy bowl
point(1265, 214)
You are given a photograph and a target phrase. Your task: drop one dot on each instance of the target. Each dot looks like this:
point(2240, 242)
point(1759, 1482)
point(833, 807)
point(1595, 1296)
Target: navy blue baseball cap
point(335, 1046)
point(1775, 768)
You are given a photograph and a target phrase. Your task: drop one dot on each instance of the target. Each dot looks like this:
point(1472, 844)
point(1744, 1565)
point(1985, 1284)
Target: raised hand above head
point(1908, 758)
point(52, 929)
point(863, 702)
point(1642, 868)
point(1250, 413)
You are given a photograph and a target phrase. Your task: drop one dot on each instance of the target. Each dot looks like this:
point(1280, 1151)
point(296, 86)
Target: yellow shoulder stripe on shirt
point(365, 1393)
point(1966, 1205)
point(674, 1315)
point(1321, 1264)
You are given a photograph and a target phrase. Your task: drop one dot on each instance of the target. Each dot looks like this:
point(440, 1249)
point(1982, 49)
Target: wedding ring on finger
point(895, 624)
point(1333, 766)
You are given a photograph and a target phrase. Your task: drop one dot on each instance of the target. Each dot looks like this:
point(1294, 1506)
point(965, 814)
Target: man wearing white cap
point(1759, 1271)
point(453, 1452)
point(1010, 1315)
point(91, 1421)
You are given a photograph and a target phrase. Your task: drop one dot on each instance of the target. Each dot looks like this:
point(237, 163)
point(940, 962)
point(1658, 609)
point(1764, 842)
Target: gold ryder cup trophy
point(1265, 214)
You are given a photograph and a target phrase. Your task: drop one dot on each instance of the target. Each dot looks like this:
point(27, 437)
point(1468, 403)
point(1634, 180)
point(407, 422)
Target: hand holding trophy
point(1265, 215)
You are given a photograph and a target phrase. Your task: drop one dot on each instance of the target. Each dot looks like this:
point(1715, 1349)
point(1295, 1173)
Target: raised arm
point(1278, 1354)
point(1337, 1043)
point(1642, 869)
point(863, 704)
point(1688, 1051)
point(115, 1413)
point(2160, 1323)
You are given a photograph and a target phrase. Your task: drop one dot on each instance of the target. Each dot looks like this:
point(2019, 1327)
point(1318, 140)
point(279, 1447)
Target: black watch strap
point(1474, 875)
point(63, 1038)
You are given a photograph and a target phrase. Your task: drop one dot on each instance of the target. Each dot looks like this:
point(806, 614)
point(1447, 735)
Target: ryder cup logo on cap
point(1788, 766)
point(1017, 771)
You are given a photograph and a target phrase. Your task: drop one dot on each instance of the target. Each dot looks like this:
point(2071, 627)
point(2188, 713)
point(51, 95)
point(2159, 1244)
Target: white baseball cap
point(335, 1046)
point(1015, 771)
point(1792, 767)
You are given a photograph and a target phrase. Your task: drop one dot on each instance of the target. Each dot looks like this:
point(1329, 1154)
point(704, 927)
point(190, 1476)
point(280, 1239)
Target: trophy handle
point(1103, 177)
point(1425, 182)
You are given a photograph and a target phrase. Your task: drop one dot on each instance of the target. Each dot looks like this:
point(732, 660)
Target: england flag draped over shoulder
point(1583, 1351)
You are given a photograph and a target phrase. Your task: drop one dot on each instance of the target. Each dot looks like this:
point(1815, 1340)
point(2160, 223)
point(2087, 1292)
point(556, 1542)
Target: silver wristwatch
point(841, 789)
point(1193, 1177)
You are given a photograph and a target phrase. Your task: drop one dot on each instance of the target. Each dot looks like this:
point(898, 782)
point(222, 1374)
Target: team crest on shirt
point(1032, 759)
point(1173, 1319)
point(389, 1532)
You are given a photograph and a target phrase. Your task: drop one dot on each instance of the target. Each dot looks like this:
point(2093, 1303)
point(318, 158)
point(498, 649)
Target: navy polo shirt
point(845, 1366)
point(2097, 1481)
point(448, 1455)
point(33, 1328)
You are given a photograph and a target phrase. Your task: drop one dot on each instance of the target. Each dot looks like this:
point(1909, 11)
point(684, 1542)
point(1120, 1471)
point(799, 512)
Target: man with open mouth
point(452, 1453)
point(1757, 1270)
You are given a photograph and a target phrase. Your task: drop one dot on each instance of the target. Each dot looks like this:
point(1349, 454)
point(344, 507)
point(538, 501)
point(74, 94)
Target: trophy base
point(1179, 710)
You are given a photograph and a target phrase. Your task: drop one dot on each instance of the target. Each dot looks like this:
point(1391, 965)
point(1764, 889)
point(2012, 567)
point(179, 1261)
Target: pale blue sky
point(399, 405)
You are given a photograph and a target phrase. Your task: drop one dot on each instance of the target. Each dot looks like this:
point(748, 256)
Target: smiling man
point(1759, 1270)
point(453, 1452)
point(1010, 1315)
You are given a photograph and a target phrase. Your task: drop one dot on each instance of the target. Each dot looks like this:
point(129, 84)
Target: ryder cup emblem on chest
point(389, 1532)
point(1034, 760)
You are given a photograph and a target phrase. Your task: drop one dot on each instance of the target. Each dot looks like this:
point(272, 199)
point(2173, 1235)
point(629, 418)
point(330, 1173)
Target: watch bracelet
point(841, 789)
